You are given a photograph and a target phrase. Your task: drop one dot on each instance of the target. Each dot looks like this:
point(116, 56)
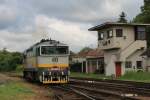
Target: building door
point(118, 69)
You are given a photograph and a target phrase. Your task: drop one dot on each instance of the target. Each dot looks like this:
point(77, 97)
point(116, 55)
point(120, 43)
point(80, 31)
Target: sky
point(24, 22)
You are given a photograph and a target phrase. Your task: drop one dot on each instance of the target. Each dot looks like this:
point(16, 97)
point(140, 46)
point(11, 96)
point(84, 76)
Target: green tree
point(9, 60)
point(144, 17)
point(122, 18)
point(85, 49)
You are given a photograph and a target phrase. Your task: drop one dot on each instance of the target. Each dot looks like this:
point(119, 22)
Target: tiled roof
point(91, 53)
point(82, 54)
point(96, 53)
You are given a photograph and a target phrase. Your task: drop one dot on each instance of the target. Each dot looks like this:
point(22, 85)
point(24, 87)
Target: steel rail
point(66, 88)
point(113, 86)
point(102, 94)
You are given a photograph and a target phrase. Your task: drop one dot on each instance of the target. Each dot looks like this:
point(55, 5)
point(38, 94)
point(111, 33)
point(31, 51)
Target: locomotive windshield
point(48, 50)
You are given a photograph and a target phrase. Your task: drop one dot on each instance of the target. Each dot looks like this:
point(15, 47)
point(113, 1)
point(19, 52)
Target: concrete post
point(97, 65)
point(86, 66)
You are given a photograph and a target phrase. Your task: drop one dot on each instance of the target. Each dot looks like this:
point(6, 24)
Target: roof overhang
point(109, 24)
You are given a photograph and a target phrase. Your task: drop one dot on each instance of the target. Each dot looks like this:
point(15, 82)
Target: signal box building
point(123, 44)
point(146, 59)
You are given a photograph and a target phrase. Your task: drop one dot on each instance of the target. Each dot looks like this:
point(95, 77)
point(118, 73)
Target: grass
point(14, 91)
point(90, 75)
point(136, 76)
point(131, 76)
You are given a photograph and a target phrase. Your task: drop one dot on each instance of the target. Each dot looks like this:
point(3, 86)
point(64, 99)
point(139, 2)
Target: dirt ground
point(40, 92)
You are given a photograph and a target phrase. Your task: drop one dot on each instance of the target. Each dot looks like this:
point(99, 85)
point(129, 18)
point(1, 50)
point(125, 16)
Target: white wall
point(111, 56)
point(109, 59)
point(135, 57)
point(120, 42)
point(78, 59)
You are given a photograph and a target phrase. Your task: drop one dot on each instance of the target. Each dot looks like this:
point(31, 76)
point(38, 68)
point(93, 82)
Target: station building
point(123, 44)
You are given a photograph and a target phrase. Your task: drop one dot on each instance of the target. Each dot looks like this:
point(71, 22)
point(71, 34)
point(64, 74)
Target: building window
point(119, 32)
point(141, 34)
point(100, 36)
point(128, 64)
point(139, 64)
point(109, 34)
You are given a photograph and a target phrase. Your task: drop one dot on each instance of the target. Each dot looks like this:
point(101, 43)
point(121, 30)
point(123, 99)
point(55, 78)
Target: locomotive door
point(118, 69)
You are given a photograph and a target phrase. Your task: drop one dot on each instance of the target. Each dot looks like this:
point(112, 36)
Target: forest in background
point(10, 60)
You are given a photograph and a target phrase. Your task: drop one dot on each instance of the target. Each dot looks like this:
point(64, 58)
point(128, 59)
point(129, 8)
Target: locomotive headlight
point(62, 73)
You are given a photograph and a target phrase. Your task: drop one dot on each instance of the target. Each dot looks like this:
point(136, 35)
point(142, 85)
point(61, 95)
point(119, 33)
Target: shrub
point(9, 60)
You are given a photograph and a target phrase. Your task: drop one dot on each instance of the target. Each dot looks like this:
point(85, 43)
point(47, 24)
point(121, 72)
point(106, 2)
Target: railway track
point(101, 94)
point(121, 88)
point(65, 92)
point(131, 83)
point(76, 92)
point(90, 89)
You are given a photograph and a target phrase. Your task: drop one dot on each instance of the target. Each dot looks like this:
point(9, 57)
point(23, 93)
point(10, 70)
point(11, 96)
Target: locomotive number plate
point(55, 59)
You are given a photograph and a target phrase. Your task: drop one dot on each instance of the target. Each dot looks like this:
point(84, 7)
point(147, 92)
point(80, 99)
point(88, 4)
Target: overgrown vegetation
point(9, 60)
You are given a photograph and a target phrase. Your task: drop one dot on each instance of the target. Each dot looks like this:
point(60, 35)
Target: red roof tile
point(96, 53)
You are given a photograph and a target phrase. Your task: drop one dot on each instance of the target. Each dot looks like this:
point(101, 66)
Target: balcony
point(107, 44)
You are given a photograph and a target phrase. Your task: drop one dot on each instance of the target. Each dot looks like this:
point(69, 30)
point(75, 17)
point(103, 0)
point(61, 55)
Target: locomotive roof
point(47, 42)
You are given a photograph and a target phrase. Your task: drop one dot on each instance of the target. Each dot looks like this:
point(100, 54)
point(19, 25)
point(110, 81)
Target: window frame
point(67, 51)
point(119, 34)
point(141, 34)
point(139, 62)
point(109, 32)
point(128, 64)
point(100, 35)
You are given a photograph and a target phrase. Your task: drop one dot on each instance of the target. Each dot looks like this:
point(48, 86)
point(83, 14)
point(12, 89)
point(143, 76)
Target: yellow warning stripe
point(52, 65)
point(46, 82)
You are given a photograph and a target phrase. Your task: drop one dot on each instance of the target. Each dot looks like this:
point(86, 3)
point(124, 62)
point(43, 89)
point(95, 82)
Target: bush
point(9, 60)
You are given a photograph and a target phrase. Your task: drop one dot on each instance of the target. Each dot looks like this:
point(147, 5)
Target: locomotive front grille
point(54, 77)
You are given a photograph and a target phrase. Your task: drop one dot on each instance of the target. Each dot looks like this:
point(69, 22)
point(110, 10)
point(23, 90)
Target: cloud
point(67, 32)
point(14, 42)
point(7, 16)
point(22, 22)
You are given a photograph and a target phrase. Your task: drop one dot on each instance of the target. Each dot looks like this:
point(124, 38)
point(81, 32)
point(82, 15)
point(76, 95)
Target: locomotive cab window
point(48, 50)
point(61, 50)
